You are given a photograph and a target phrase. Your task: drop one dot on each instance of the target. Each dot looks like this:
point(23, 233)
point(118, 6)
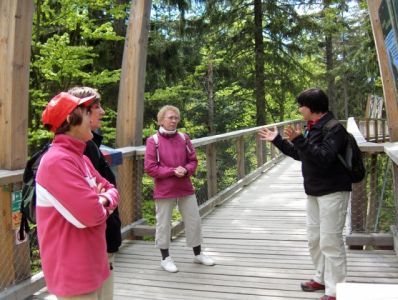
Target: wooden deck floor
point(259, 244)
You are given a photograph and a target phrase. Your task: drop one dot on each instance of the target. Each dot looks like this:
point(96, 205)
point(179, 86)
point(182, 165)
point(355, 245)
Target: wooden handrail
point(13, 176)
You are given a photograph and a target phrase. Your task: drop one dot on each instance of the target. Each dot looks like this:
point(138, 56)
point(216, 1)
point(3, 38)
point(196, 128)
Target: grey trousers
point(189, 210)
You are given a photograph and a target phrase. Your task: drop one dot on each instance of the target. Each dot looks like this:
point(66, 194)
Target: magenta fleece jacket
point(173, 152)
point(70, 219)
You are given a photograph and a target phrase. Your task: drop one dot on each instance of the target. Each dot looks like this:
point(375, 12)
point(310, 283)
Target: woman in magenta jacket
point(73, 203)
point(171, 160)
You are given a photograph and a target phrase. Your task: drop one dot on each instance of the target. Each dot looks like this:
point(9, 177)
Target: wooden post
point(367, 136)
point(259, 151)
point(15, 42)
point(372, 198)
point(387, 77)
point(240, 154)
point(376, 130)
point(131, 106)
point(211, 166)
point(358, 206)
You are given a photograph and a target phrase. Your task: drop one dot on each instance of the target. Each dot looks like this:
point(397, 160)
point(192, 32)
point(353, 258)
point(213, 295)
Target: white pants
point(326, 217)
point(189, 210)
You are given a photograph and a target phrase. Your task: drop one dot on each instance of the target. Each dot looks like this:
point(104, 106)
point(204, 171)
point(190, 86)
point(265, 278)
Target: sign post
point(383, 17)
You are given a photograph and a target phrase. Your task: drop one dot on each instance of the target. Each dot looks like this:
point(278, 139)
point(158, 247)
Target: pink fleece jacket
point(172, 153)
point(70, 219)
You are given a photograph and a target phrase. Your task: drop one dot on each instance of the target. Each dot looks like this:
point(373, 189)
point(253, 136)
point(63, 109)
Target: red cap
point(60, 107)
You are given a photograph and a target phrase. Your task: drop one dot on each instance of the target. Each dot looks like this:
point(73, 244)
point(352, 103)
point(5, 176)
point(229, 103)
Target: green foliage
point(60, 63)
point(69, 42)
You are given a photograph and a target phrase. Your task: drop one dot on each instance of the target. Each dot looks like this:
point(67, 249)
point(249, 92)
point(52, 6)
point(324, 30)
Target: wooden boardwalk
point(258, 241)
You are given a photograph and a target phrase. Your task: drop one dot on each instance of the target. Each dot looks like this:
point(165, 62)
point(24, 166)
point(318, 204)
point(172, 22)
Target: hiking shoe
point(326, 297)
point(204, 260)
point(168, 265)
point(311, 286)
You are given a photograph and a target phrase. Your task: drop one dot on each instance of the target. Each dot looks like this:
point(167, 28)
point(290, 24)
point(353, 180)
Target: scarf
point(166, 132)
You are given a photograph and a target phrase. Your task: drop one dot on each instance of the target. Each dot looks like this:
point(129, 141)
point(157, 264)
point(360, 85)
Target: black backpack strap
point(325, 129)
point(23, 227)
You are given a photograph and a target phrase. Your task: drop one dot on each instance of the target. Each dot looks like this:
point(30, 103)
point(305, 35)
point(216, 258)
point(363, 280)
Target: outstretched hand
point(268, 135)
point(292, 132)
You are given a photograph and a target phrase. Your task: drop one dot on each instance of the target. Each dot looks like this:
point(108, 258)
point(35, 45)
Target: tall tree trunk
point(210, 97)
point(259, 58)
point(345, 94)
point(329, 62)
point(329, 74)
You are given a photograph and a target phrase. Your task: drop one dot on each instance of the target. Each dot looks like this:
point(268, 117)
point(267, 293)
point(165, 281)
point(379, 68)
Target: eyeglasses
point(172, 118)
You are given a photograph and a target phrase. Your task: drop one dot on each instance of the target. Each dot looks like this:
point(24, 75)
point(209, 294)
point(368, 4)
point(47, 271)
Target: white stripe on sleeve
point(45, 199)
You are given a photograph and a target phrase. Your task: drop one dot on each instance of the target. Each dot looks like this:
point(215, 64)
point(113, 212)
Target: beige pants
point(188, 207)
point(105, 292)
point(326, 217)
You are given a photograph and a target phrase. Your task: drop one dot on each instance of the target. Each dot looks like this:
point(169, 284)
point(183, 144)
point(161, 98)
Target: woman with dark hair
point(326, 183)
point(73, 204)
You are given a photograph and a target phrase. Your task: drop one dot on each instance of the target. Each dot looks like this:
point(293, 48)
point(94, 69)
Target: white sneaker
point(168, 265)
point(204, 260)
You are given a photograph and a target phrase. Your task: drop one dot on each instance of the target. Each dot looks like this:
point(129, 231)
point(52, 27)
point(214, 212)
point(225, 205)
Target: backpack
point(352, 157)
point(156, 140)
point(28, 202)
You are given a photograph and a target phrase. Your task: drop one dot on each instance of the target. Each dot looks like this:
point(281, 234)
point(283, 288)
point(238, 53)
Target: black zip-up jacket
point(322, 171)
point(113, 224)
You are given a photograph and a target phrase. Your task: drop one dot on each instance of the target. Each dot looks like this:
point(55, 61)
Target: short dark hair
point(315, 99)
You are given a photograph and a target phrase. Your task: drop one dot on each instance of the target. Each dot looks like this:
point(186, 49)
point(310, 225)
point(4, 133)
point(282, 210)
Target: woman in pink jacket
point(73, 203)
point(171, 160)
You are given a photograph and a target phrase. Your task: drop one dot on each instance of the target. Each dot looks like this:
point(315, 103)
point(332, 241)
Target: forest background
point(227, 65)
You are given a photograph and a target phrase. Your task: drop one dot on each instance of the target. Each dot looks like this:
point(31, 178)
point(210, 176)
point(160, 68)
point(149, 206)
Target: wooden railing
point(246, 156)
point(368, 200)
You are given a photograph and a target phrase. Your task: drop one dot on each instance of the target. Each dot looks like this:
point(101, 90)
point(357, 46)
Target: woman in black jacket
point(326, 183)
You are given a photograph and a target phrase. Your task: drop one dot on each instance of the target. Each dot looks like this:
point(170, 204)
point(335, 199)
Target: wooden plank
point(374, 239)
